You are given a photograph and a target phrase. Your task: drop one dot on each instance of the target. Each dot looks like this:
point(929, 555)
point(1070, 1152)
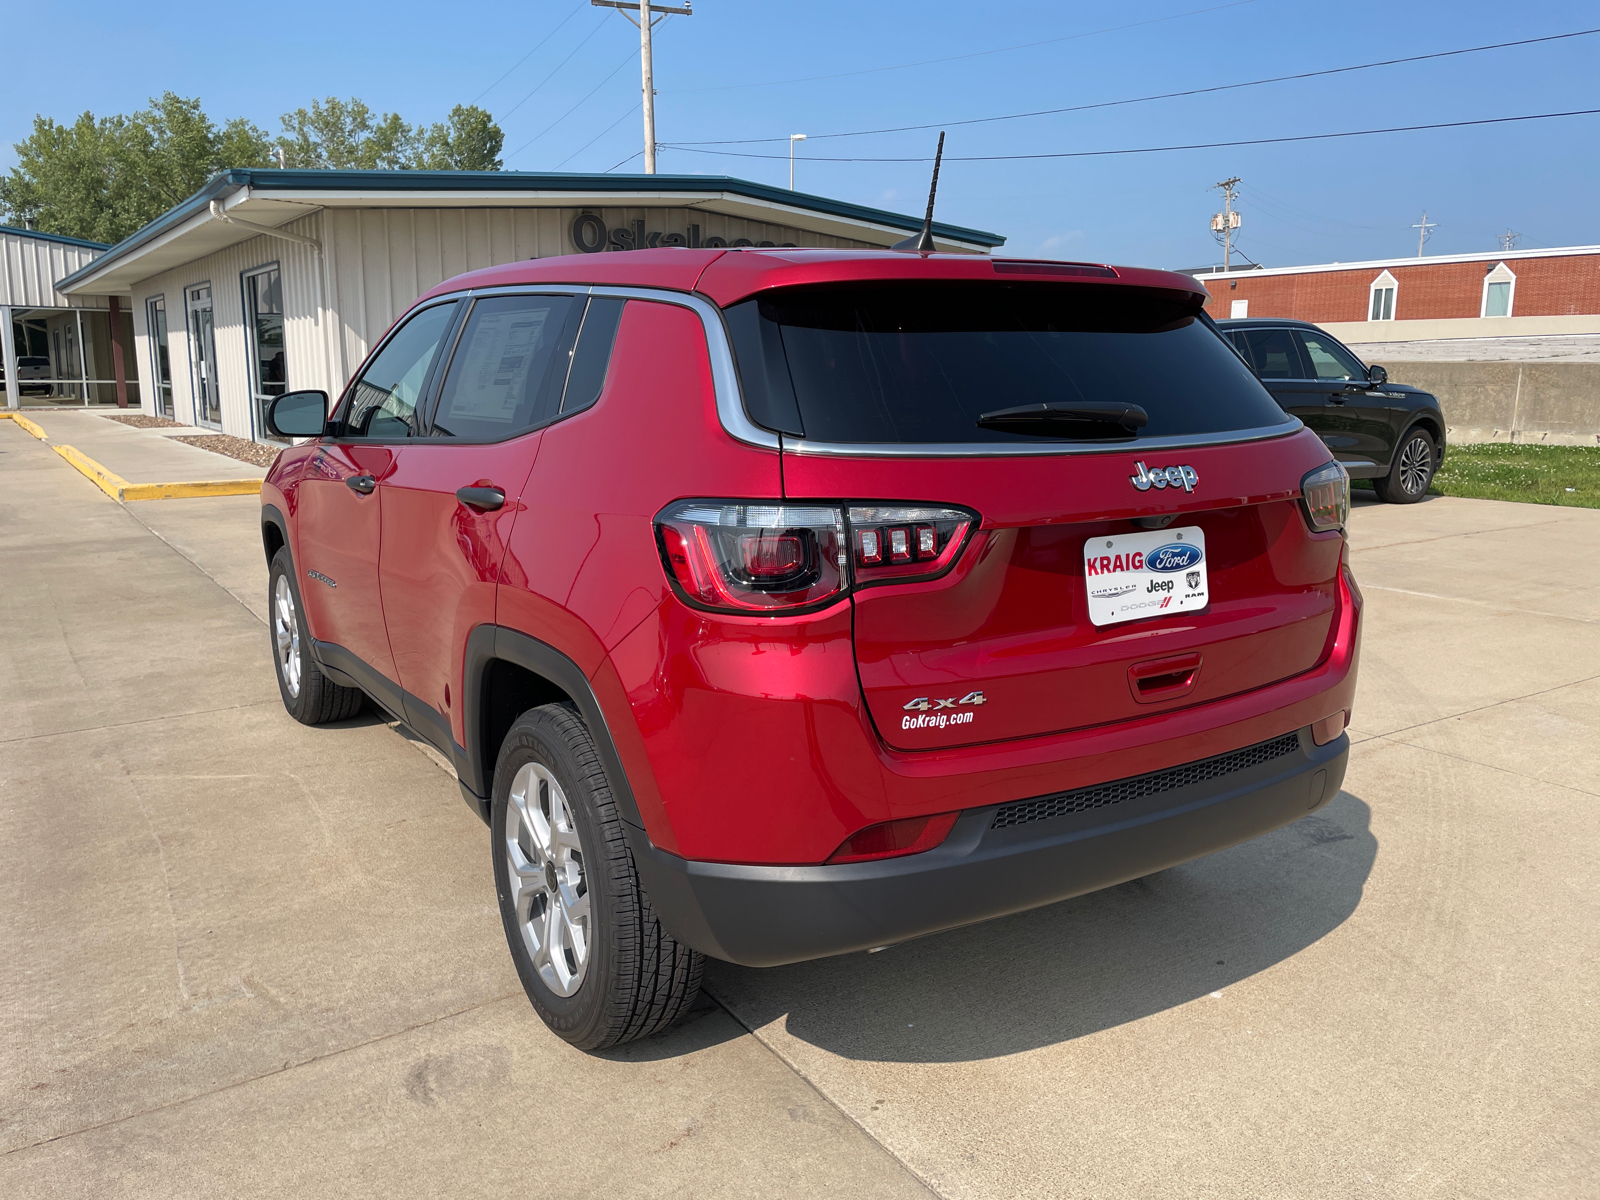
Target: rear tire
point(309, 696)
point(593, 958)
point(1414, 464)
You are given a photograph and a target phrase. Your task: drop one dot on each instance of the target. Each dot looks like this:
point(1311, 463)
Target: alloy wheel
point(1416, 465)
point(549, 890)
point(286, 635)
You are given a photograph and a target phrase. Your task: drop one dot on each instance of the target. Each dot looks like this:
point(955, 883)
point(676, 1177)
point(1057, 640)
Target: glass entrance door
point(203, 355)
point(163, 361)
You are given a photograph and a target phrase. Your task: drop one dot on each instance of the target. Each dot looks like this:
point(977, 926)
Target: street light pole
point(793, 138)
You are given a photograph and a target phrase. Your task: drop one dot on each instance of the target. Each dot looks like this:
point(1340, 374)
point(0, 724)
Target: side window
point(509, 366)
point(1275, 353)
point(1329, 360)
point(592, 355)
point(384, 400)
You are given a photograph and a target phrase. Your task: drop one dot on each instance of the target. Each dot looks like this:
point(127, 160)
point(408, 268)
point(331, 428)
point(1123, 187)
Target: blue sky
point(752, 70)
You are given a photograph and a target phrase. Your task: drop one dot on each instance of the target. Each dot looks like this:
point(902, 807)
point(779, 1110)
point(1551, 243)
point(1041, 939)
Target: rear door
point(1003, 644)
point(341, 496)
point(452, 501)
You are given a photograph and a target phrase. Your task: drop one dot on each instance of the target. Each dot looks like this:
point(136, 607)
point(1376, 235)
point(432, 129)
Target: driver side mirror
point(298, 414)
point(1377, 376)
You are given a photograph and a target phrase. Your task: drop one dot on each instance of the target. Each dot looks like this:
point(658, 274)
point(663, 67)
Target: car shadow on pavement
point(1077, 967)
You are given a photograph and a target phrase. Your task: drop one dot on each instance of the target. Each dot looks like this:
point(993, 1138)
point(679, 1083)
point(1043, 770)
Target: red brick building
point(1521, 292)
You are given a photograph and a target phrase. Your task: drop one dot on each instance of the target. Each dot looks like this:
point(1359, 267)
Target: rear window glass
point(920, 364)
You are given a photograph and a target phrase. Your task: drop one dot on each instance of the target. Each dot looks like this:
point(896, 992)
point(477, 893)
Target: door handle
point(484, 499)
point(360, 483)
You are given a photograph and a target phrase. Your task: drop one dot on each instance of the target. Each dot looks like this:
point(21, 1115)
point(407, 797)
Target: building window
point(1383, 290)
point(161, 355)
point(1499, 288)
point(263, 301)
point(1239, 308)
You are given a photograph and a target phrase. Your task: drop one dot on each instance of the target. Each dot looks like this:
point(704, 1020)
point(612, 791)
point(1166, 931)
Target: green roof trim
point(53, 237)
point(270, 178)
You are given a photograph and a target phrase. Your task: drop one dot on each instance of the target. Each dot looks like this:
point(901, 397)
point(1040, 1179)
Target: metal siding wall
point(31, 268)
point(225, 270)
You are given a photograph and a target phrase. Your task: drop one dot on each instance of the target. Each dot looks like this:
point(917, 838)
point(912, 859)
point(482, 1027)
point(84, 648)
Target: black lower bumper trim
point(769, 915)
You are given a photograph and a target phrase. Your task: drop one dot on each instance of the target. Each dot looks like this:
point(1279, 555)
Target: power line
point(574, 108)
point(1304, 137)
point(1224, 87)
point(625, 161)
point(528, 55)
point(554, 73)
point(927, 62)
point(598, 136)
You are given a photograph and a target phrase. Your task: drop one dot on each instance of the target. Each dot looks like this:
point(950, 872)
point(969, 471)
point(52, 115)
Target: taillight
point(1325, 495)
point(891, 542)
point(739, 556)
point(892, 839)
point(754, 558)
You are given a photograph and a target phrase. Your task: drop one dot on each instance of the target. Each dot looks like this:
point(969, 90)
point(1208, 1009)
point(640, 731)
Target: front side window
point(383, 402)
point(509, 366)
point(889, 363)
point(1329, 360)
point(1275, 353)
point(263, 292)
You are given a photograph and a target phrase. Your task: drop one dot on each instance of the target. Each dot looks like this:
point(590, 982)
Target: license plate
point(1131, 576)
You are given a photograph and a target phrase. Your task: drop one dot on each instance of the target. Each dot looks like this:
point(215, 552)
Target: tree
point(347, 135)
point(101, 179)
point(468, 141)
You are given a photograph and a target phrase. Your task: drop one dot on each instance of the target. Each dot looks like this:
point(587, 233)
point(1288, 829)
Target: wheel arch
point(274, 531)
point(505, 673)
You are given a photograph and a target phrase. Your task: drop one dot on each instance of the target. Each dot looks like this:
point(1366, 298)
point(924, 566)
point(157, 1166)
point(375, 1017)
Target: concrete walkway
point(139, 455)
point(243, 957)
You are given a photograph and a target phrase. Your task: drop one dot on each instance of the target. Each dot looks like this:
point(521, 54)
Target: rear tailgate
point(1003, 645)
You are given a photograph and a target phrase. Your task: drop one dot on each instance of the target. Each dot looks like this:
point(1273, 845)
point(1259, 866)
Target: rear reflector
point(893, 839)
point(1325, 730)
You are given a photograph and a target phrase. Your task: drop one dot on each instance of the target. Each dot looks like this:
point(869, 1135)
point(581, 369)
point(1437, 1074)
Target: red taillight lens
point(892, 839)
point(754, 558)
point(1325, 494)
point(743, 557)
point(893, 544)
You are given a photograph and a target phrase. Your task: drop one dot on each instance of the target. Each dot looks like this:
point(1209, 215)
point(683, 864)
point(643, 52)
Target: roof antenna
point(923, 242)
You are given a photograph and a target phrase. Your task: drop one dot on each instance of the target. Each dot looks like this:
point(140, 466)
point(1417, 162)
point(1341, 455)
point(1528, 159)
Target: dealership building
point(273, 280)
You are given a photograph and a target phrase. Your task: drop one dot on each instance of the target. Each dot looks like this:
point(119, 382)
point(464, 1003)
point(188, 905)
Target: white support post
point(8, 356)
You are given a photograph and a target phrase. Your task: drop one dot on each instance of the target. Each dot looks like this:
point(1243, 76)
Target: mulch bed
point(141, 421)
point(253, 453)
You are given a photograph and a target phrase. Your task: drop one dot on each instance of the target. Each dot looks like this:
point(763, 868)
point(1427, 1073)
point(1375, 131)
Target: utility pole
point(1226, 221)
point(793, 138)
point(1508, 241)
point(646, 22)
point(1424, 230)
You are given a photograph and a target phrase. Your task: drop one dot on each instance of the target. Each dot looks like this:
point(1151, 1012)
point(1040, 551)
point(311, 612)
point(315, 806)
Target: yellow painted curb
point(25, 423)
point(118, 488)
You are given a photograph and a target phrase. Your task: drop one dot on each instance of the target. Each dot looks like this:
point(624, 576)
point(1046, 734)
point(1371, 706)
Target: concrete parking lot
point(243, 957)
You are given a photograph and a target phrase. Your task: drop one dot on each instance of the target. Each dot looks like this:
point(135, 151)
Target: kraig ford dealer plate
point(1134, 575)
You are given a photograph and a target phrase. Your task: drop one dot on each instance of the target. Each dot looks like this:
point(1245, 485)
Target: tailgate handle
point(1161, 679)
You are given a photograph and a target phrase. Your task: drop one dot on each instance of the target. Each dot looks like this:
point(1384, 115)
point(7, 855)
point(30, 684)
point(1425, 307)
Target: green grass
point(1568, 475)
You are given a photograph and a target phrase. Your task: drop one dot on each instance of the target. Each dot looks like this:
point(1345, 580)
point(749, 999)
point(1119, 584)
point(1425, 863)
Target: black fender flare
point(489, 643)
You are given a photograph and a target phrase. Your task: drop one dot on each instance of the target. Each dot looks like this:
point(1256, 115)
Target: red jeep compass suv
point(774, 604)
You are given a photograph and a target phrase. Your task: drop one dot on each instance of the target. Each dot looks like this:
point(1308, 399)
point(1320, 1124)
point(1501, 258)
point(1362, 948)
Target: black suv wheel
point(593, 958)
point(1412, 472)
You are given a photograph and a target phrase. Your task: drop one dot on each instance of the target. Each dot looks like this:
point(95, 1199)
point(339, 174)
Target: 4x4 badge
point(1146, 478)
point(923, 704)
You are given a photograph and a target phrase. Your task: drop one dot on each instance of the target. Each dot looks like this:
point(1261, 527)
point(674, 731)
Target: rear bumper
point(1042, 851)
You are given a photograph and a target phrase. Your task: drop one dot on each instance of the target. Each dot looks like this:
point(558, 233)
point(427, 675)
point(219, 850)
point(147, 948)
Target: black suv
point(1386, 432)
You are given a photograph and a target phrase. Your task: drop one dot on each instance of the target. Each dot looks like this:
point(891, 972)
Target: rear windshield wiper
point(1085, 421)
